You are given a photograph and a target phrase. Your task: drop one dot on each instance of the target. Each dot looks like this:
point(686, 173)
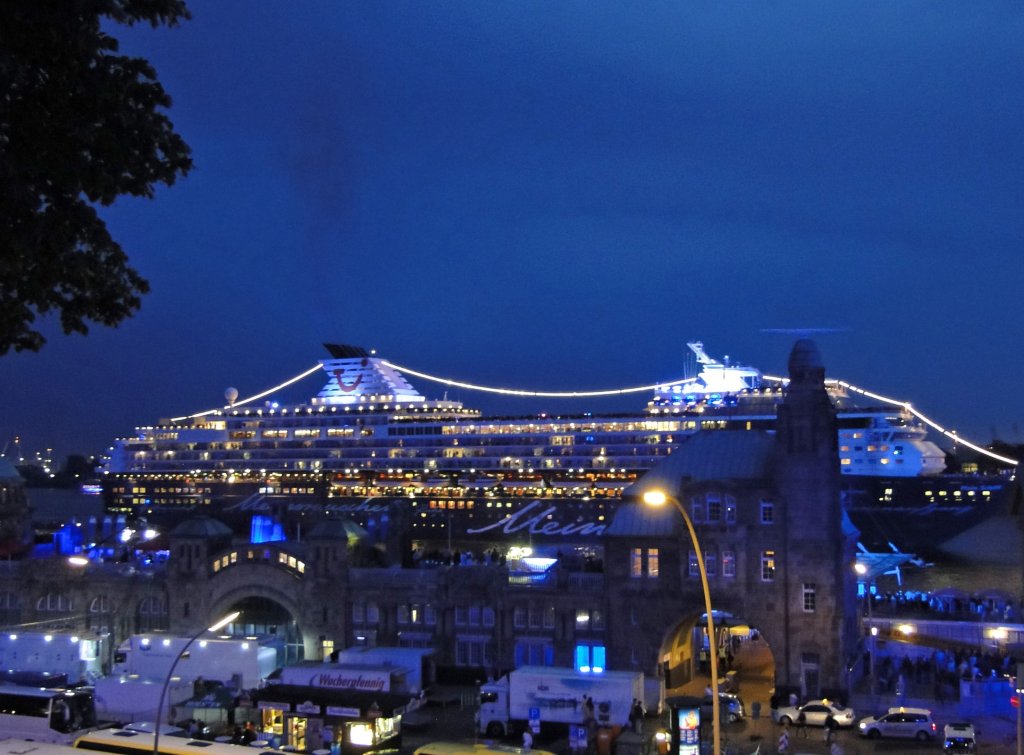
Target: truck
point(418, 663)
point(31, 657)
point(123, 699)
point(238, 662)
point(533, 695)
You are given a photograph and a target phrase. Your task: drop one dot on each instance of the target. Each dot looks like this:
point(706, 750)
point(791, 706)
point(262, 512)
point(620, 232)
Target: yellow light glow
point(360, 734)
point(655, 498)
point(906, 629)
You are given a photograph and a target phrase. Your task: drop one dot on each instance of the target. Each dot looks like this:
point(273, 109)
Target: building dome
point(804, 356)
point(338, 529)
point(202, 526)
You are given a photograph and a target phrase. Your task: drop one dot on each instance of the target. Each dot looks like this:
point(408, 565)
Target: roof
point(711, 455)
point(202, 526)
point(337, 529)
point(8, 471)
point(636, 519)
point(704, 456)
point(386, 702)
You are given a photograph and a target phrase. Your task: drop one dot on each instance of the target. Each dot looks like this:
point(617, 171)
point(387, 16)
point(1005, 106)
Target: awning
point(309, 698)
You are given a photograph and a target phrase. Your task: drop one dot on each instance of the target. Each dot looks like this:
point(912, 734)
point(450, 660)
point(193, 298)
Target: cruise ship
point(369, 447)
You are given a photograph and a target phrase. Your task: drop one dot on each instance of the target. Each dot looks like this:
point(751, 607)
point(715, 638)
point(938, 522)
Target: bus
point(11, 746)
point(470, 748)
point(56, 715)
point(127, 742)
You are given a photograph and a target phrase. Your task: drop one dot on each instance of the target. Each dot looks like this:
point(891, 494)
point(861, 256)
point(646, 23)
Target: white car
point(910, 723)
point(815, 713)
point(959, 739)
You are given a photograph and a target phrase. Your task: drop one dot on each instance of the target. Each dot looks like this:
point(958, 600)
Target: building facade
point(778, 549)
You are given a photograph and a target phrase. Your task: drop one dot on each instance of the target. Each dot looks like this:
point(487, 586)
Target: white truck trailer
point(77, 657)
point(559, 696)
point(242, 663)
point(122, 699)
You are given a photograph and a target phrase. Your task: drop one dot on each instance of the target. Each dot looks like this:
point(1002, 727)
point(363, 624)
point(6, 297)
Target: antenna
point(803, 332)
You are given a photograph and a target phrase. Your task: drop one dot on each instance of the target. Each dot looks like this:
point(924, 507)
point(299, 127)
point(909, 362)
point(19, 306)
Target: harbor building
point(516, 577)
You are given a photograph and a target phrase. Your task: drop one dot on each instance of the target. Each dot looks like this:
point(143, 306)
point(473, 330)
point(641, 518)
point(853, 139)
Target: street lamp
point(862, 571)
point(660, 498)
point(163, 692)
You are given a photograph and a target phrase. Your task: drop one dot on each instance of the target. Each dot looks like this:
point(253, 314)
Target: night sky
point(559, 195)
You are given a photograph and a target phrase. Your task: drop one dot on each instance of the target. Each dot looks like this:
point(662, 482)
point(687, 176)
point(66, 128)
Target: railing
point(980, 634)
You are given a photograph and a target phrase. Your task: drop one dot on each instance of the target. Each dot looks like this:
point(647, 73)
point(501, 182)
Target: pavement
point(449, 715)
point(995, 722)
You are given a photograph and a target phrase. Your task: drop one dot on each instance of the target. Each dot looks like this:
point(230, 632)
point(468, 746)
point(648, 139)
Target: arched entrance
point(264, 617)
point(745, 660)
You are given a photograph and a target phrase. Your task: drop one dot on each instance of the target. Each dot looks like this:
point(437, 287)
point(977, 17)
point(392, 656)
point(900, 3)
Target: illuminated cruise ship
point(370, 434)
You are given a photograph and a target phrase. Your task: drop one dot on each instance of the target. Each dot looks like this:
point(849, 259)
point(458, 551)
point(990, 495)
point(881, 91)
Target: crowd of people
point(945, 606)
point(942, 670)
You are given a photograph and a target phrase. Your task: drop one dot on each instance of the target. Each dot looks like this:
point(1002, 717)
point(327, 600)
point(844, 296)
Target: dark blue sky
point(560, 195)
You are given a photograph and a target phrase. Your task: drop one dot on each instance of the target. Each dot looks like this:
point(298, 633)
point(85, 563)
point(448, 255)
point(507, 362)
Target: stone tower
point(818, 541)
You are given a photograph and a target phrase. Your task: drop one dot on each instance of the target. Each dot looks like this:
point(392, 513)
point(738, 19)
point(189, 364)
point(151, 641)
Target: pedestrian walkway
point(993, 718)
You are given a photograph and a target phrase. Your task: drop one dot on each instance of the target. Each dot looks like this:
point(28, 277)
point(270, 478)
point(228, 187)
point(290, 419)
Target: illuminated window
point(768, 566)
point(767, 512)
point(730, 510)
point(590, 658)
point(694, 565)
point(643, 562)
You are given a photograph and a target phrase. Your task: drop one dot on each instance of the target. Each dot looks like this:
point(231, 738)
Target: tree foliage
point(80, 126)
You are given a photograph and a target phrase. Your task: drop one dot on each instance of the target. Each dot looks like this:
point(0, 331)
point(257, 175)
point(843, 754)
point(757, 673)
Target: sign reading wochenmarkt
point(333, 677)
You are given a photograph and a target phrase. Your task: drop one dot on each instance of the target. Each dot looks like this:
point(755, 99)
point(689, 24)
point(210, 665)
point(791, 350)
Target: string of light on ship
point(951, 434)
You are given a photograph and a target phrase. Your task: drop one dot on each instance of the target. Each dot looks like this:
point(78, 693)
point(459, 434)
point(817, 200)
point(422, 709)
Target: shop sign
point(307, 707)
point(358, 680)
point(334, 710)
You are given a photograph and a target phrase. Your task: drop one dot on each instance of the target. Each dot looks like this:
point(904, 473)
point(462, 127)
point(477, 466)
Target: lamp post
point(862, 571)
point(660, 498)
point(163, 691)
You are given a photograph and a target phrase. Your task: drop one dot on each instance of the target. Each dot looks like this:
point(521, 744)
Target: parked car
point(732, 705)
point(815, 713)
point(959, 739)
point(910, 723)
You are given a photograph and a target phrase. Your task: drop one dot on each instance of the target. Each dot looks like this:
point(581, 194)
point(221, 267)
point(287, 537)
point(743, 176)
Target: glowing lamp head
point(655, 498)
point(860, 569)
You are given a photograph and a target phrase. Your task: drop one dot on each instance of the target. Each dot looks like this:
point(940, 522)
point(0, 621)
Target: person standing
point(801, 725)
point(527, 740)
point(636, 716)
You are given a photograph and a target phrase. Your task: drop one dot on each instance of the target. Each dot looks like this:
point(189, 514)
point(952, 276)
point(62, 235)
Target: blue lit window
point(590, 658)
